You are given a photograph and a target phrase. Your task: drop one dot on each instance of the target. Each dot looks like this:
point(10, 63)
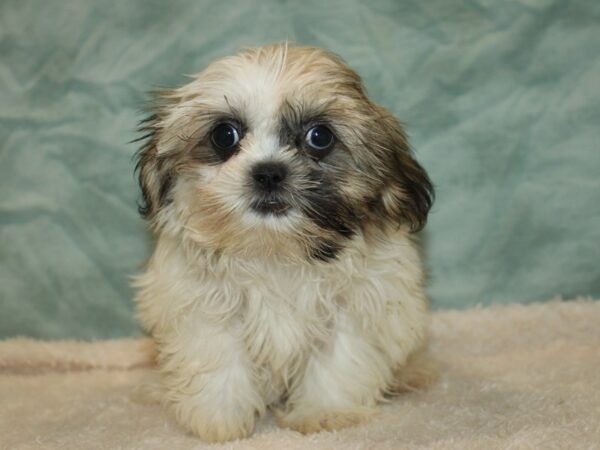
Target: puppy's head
point(278, 149)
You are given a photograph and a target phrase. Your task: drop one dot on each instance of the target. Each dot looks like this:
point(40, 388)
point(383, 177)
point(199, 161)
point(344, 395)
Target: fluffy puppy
point(284, 274)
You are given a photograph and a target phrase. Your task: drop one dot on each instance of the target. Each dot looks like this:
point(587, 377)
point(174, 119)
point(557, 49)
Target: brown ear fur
point(408, 195)
point(154, 175)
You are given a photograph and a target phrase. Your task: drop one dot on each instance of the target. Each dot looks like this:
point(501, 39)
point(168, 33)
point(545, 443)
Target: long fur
point(314, 312)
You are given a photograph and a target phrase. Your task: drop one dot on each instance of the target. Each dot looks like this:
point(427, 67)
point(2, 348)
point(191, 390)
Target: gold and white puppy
point(284, 274)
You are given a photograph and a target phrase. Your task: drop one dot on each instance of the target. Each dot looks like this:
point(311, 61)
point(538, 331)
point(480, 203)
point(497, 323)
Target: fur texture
point(305, 295)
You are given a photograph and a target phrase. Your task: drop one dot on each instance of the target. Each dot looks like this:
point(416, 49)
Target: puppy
point(285, 274)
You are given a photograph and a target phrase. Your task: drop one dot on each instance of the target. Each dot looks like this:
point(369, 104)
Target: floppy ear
point(154, 173)
point(408, 194)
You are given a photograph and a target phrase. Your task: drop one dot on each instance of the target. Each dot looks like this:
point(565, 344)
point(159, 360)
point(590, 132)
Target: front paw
point(214, 424)
point(314, 420)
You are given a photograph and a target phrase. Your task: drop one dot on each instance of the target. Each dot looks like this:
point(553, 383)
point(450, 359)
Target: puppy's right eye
point(225, 137)
point(319, 141)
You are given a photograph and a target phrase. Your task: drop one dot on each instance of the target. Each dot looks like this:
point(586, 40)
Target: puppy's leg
point(340, 386)
point(208, 381)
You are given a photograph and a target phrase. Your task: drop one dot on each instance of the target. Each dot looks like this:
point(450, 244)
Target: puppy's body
point(284, 272)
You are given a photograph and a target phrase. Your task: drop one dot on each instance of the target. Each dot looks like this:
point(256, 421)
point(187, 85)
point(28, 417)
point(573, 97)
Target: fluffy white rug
point(511, 377)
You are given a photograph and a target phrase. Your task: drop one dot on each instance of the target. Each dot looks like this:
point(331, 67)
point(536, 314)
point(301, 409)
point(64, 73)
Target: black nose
point(269, 175)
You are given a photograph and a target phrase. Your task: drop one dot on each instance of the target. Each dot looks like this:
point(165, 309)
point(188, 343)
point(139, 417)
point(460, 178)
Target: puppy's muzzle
point(268, 176)
point(268, 179)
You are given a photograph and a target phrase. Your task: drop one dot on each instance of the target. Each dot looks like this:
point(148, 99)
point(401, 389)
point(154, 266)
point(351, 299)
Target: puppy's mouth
point(272, 206)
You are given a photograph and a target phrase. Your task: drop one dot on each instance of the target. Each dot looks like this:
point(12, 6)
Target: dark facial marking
point(325, 250)
point(327, 209)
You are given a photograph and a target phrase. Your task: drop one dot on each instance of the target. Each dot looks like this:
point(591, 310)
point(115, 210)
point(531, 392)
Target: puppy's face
point(278, 149)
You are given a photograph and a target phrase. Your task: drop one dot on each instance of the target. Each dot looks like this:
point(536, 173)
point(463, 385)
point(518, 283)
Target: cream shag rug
point(511, 377)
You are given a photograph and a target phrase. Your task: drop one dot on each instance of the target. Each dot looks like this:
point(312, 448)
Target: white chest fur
point(278, 315)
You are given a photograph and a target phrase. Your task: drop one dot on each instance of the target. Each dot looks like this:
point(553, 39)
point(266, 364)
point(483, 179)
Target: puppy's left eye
point(225, 138)
point(319, 141)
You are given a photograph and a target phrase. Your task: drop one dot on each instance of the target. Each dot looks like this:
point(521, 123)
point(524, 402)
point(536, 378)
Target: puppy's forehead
point(259, 83)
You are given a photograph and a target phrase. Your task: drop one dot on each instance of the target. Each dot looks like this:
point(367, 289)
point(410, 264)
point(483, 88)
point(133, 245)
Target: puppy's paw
point(217, 428)
point(313, 421)
point(221, 430)
point(215, 423)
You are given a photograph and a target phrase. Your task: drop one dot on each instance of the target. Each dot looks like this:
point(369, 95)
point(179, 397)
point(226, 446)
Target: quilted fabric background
point(501, 100)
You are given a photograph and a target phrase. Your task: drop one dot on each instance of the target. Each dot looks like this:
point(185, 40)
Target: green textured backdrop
point(501, 99)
